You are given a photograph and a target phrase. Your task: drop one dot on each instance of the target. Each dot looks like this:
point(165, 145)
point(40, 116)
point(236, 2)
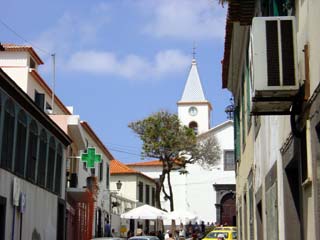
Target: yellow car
point(228, 228)
point(228, 235)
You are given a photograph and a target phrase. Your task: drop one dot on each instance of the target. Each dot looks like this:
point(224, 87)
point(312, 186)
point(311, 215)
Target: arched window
point(21, 140)
point(42, 161)
point(7, 135)
point(51, 164)
point(59, 161)
point(194, 126)
point(32, 151)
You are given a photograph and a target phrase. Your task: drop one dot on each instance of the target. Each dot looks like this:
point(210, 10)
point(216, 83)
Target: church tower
point(193, 108)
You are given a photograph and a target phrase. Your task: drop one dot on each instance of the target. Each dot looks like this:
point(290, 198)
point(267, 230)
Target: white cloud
point(185, 19)
point(74, 29)
point(130, 66)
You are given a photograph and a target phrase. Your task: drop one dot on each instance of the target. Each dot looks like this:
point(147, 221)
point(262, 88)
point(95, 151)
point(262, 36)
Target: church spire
point(193, 108)
point(193, 91)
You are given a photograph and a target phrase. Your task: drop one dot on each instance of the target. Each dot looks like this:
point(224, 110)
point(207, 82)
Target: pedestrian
point(160, 235)
point(203, 228)
point(139, 232)
point(182, 232)
point(220, 236)
point(167, 236)
point(170, 236)
point(107, 229)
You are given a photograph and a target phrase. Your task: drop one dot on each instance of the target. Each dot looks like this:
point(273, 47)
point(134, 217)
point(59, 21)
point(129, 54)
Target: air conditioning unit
point(273, 64)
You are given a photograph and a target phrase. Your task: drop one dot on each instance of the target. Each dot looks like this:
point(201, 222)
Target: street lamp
point(119, 185)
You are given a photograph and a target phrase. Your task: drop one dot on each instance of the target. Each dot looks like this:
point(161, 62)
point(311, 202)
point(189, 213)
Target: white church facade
point(208, 193)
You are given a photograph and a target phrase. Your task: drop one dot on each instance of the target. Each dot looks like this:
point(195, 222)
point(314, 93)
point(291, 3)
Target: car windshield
point(215, 234)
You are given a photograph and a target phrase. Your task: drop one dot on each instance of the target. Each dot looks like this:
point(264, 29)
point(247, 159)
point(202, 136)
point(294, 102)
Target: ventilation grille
point(287, 53)
point(286, 50)
point(272, 53)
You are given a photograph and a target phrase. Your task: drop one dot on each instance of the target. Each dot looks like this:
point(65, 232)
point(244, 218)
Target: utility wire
point(122, 151)
point(22, 38)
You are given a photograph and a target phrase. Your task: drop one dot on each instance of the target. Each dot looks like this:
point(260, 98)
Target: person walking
point(107, 229)
point(166, 236)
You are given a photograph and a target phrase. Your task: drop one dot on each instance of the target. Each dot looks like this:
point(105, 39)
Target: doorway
point(3, 204)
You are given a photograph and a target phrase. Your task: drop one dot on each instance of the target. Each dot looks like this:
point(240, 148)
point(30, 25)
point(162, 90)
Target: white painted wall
point(39, 202)
point(202, 118)
point(194, 191)
point(16, 65)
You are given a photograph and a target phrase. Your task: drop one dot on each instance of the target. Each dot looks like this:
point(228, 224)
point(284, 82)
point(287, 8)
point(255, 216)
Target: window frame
point(227, 166)
point(32, 152)
point(7, 149)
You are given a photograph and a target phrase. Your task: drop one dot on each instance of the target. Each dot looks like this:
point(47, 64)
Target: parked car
point(228, 234)
point(144, 238)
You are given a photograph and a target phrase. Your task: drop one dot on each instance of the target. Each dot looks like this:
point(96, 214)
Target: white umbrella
point(182, 215)
point(145, 212)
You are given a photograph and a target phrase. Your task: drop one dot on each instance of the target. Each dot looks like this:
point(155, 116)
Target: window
point(243, 115)
point(21, 140)
point(194, 126)
point(318, 131)
point(140, 189)
point(237, 132)
point(248, 89)
point(51, 163)
point(32, 63)
point(153, 197)
point(101, 170)
point(32, 151)
point(39, 99)
point(59, 161)
point(107, 176)
point(147, 194)
point(7, 136)
point(42, 161)
point(229, 163)
point(277, 7)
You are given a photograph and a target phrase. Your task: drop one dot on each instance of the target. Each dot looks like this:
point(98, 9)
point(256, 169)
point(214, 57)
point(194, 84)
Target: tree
point(175, 145)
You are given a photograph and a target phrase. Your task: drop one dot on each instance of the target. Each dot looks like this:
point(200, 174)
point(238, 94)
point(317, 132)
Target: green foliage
point(175, 145)
point(165, 138)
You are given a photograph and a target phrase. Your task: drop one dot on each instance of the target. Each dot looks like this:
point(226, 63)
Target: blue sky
point(119, 61)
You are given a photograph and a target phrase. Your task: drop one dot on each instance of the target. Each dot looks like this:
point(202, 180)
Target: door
point(228, 209)
point(3, 204)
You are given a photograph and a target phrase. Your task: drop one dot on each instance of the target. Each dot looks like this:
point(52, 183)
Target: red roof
point(20, 48)
point(148, 163)
point(117, 167)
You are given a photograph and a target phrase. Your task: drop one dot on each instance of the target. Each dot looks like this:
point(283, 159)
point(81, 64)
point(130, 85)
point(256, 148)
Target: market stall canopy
point(182, 215)
point(145, 212)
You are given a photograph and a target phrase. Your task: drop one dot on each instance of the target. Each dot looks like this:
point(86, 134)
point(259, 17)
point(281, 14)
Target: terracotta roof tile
point(147, 163)
point(17, 48)
point(117, 167)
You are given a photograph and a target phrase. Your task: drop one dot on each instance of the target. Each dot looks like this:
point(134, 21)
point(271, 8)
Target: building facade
point(271, 63)
point(32, 167)
point(136, 189)
point(86, 203)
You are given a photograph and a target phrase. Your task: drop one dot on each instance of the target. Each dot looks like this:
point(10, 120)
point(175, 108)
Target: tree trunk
point(170, 192)
point(159, 187)
point(173, 222)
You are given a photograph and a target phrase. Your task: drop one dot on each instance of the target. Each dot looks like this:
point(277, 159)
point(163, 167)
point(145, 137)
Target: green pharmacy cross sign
point(90, 157)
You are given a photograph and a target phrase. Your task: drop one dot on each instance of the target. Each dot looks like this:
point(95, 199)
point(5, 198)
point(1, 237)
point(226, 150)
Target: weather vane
point(194, 50)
